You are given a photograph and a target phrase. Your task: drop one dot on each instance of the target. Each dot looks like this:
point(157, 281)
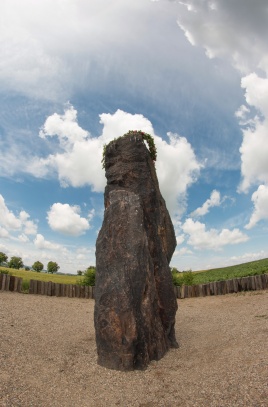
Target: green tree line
point(16, 262)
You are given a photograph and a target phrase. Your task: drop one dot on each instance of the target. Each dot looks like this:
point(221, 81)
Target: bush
point(176, 279)
point(89, 277)
point(187, 278)
point(25, 286)
point(4, 271)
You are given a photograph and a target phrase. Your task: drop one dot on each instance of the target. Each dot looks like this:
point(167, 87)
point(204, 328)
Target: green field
point(198, 277)
point(33, 275)
point(227, 273)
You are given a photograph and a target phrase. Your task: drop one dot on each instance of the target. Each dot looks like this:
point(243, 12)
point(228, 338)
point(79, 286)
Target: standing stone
point(135, 304)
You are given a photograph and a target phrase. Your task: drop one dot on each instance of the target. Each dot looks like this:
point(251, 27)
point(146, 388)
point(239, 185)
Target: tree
point(52, 267)
point(37, 266)
point(79, 272)
point(15, 263)
point(3, 257)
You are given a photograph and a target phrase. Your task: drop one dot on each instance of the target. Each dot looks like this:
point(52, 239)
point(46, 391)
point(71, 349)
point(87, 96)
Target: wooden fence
point(10, 283)
point(251, 283)
point(259, 282)
point(60, 290)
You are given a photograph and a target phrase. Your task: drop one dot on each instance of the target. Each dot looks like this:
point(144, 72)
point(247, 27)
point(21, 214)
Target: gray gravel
point(48, 356)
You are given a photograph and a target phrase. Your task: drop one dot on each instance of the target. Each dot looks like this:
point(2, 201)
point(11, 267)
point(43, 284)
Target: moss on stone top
point(145, 136)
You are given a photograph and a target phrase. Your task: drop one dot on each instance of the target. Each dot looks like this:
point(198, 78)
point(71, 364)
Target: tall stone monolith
point(135, 304)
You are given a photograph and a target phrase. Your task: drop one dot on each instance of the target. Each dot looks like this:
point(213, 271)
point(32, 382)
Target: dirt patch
point(48, 356)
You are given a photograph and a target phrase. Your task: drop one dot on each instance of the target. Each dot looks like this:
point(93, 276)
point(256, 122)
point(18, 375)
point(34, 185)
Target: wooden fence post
point(258, 282)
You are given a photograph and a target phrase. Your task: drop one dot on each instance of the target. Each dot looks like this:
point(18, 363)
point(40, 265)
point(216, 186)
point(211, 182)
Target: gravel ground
point(48, 356)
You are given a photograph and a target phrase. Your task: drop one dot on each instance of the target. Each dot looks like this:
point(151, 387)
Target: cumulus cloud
point(214, 200)
point(254, 148)
point(252, 256)
point(41, 243)
point(254, 153)
point(119, 123)
point(29, 226)
point(260, 201)
point(182, 251)
point(237, 31)
point(180, 239)
point(234, 30)
point(3, 232)
point(15, 223)
point(200, 238)
point(242, 115)
point(48, 52)
point(7, 217)
point(177, 168)
point(23, 238)
point(66, 219)
point(65, 127)
point(79, 163)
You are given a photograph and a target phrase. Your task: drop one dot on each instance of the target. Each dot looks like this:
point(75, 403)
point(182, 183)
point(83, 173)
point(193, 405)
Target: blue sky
point(74, 74)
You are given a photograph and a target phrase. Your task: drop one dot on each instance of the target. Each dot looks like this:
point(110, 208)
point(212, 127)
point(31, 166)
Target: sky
point(75, 74)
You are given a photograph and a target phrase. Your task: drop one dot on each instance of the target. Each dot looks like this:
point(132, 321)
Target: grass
point(198, 277)
point(227, 273)
point(33, 275)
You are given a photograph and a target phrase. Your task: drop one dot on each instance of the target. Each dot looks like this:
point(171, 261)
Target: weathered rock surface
point(135, 305)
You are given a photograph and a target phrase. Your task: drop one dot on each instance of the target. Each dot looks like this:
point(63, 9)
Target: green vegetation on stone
point(145, 136)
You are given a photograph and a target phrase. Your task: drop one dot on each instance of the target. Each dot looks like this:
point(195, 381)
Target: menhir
point(135, 304)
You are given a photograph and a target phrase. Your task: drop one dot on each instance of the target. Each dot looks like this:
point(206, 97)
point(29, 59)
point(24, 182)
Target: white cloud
point(41, 243)
point(252, 256)
point(238, 31)
point(66, 219)
point(235, 30)
point(242, 115)
point(256, 91)
point(70, 260)
point(23, 238)
point(177, 168)
point(254, 148)
point(4, 233)
point(80, 162)
point(29, 227)
point(200, 238)
point(254, 153)
point(182, 252)
point(65, 127)
point(54, 48)
point(15, 223)
point(119, 123)
point(260, 200)
point(7, 217)
point(91, 214)
point(180, 239)
point(214, 200)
